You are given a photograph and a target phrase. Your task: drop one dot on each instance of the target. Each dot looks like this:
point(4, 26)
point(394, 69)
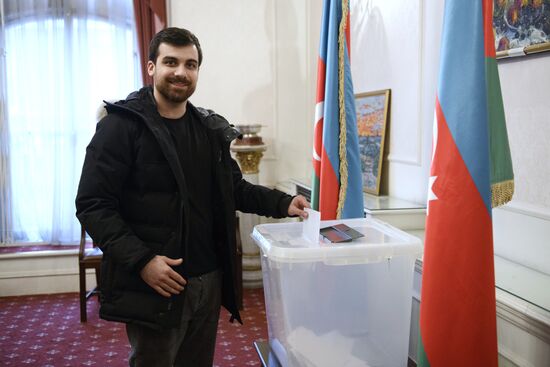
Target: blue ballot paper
point(340, 233)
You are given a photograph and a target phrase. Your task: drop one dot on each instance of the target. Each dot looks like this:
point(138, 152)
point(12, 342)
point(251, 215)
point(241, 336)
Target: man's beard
point(172, 94)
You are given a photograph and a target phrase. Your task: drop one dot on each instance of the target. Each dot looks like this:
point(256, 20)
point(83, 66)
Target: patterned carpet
point(44, 330)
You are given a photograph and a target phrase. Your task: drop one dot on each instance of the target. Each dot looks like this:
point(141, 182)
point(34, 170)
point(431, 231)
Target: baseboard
point(41, 272)
point(528, 209)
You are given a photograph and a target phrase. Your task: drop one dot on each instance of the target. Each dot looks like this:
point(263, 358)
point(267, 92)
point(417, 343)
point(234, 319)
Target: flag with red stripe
point(336, 187)
point(458, 306)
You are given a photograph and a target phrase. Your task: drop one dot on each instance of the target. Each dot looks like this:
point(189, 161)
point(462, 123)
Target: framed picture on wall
point(521, 27)
point(372, 115)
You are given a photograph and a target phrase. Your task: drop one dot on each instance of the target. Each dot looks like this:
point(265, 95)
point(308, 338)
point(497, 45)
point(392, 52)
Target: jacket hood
point(143, 104)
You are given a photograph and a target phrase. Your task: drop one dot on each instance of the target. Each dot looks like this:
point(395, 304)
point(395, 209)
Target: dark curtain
point(150, 18)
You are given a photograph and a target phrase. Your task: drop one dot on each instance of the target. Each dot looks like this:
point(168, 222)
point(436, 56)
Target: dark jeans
point(193, 344)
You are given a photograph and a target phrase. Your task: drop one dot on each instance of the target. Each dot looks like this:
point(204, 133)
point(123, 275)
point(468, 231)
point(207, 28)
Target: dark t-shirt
point(193, 148)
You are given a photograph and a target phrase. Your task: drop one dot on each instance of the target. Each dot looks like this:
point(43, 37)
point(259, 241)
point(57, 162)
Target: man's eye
point(192, 66)
point(170, 63)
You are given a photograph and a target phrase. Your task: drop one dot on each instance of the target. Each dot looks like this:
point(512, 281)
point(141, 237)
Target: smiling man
point(175, 71)
point(158, 193)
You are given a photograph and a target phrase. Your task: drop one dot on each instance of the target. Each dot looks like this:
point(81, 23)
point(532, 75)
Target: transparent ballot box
point(338, 304)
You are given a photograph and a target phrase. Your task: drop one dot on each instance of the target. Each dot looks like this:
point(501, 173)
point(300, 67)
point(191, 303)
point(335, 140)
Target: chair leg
point(82, 296)
point(97, 277)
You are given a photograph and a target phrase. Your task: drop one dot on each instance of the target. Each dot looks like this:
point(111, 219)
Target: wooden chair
point(88, 258)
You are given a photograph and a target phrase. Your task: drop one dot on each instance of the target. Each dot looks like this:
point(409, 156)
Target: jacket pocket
point(151, 310)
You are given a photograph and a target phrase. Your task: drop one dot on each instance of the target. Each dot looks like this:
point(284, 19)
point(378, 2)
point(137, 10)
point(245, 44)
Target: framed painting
point(372, 115)
point(521, 27)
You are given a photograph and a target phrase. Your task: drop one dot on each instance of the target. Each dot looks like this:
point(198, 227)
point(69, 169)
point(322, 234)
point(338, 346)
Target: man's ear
point(150, 68)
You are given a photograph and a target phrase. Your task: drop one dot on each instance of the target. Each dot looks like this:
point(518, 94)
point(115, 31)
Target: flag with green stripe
point(471, 172)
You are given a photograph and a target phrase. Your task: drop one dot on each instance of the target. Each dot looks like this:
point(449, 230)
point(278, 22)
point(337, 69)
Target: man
point(158, 192)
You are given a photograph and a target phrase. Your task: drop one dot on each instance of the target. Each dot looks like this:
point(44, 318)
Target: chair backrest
point(82, 248)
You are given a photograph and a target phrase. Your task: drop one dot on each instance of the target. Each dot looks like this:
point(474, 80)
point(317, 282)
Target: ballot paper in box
point(338, 304)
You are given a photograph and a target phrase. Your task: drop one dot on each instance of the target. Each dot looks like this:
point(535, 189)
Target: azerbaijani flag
point(337, 188)
point(471, 159)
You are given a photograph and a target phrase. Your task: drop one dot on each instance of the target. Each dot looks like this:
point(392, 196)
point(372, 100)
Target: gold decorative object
point(249, 149)
point(250, 160)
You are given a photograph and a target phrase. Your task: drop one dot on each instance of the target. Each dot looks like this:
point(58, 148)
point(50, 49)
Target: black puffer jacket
point(132, 200)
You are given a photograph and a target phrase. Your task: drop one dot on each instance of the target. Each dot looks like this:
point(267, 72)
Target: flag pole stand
point(249, 152)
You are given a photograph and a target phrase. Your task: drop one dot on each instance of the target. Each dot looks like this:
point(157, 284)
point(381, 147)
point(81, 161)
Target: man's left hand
point(297, 206)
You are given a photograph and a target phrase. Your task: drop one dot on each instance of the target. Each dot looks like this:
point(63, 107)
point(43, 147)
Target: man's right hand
point(158, 273)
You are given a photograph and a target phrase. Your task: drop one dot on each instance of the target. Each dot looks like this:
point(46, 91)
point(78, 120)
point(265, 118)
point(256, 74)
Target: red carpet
point(45, 330)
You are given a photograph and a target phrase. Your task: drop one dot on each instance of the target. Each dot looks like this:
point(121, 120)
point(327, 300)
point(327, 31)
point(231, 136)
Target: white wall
point(259, 67)
point(521, 228)
point(396, 45)
point(525, 83)
point(390, 41)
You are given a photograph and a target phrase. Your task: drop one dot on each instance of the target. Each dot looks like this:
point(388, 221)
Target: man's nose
point(180, 70)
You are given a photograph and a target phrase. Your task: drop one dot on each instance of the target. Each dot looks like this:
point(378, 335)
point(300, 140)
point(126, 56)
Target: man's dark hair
point(173, 36)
